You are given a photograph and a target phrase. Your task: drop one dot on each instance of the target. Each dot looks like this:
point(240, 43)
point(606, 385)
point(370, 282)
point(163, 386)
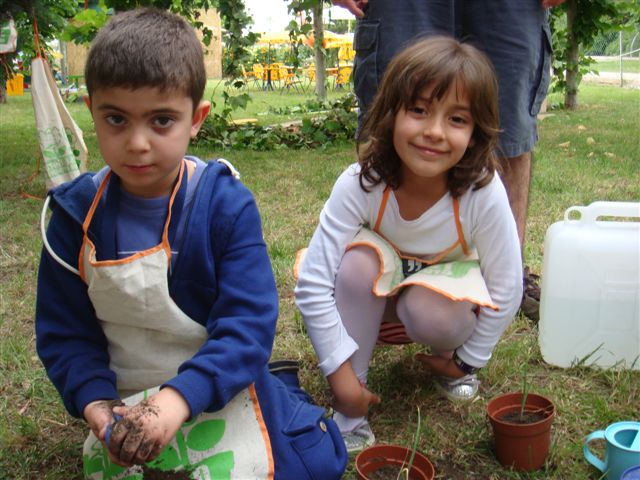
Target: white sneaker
point(359, 438)
point(461, 389)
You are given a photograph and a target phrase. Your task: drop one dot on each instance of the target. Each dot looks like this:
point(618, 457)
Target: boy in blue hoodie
point(156, 305)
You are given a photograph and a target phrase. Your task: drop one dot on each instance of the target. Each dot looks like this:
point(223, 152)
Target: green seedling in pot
point(404, 472)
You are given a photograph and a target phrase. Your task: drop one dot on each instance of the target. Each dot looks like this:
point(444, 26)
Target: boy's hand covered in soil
point(146, 428)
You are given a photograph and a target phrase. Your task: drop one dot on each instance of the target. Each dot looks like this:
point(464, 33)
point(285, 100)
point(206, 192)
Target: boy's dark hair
point(147, 47)
point(440, 62)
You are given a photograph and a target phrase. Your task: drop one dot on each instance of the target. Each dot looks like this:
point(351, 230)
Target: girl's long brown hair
point(442, 63)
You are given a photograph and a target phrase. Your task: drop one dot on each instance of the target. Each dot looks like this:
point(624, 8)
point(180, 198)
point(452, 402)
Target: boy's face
point(144, 134)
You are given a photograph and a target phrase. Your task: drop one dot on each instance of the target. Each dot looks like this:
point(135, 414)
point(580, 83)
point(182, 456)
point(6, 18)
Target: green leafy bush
point(338, 124)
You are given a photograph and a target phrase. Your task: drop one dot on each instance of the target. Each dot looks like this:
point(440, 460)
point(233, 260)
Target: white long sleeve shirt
point(488, 226)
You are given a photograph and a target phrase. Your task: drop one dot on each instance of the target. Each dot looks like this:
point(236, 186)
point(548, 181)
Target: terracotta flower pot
point(522, 446)
point(379, 458)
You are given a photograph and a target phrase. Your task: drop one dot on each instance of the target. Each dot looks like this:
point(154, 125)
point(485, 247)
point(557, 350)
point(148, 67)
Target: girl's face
point(431, 136)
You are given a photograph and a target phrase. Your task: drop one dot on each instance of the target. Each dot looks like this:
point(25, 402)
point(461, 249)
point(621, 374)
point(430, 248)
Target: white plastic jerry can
point(590, 290)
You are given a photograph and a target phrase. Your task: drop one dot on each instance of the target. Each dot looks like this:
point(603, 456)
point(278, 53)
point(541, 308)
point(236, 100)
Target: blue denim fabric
point(514, 33)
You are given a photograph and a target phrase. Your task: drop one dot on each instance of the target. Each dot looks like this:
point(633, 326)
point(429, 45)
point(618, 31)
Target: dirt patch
point(448, 470)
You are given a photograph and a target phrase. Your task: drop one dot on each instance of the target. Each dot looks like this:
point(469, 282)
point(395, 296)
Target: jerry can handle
point(588, 454)
point(591, 212)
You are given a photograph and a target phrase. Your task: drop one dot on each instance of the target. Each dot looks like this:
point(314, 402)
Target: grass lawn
point(265, 104)
point(583, 156)
point(629, 65)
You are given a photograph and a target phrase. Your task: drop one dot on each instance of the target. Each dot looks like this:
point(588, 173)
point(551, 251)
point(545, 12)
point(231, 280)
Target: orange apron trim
point(164, 244)
point(263, 428)
point(440, 256)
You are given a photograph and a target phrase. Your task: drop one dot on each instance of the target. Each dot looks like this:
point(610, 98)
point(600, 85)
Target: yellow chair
point(276, 71)
point(346, 52)
point(258, 75)
point(344, 76)
point(311, 73)
point(247, 76)
point(289, 79)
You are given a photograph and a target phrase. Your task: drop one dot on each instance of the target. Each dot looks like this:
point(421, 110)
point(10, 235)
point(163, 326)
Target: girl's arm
point(343, 215)
point(494, 234)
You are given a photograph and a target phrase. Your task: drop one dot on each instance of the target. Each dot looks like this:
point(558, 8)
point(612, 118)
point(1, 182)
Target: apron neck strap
point(176, 202)
point(456, 216)
point(381, 209)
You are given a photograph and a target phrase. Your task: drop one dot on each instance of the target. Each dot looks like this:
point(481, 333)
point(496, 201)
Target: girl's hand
point(354, 6)
point(357, 404)
point(146, 428)
point(440, 366)
point(350, 396)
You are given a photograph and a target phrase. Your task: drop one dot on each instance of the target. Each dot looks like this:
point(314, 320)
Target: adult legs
point(516, 177)
point(515, 36)
point(387, 27)
point(517, 39)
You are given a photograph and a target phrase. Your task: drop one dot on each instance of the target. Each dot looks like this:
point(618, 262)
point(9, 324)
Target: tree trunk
point(318, 35)
point(64, 69)
point(573, 58)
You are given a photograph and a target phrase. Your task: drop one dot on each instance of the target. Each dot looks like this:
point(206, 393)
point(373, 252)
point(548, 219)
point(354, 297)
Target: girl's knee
point(358, 269)
point(433, 319)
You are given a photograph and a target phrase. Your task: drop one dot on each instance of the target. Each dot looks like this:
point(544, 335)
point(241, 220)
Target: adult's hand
point(551, 3)
point(354, 6)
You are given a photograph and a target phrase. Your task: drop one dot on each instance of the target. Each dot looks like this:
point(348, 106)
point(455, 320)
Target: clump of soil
point(156, 474)
point(384, 473)
point(525, 418)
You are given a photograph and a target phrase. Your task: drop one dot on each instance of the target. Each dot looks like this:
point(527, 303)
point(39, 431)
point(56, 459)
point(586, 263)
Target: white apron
point(149, 338)
point(454, 272)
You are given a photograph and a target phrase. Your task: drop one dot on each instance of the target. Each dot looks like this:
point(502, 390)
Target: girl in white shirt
point(417, 242)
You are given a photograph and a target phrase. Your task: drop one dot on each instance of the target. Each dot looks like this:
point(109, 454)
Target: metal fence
point(618, 57)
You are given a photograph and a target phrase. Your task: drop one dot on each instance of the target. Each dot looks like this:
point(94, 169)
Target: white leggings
point(429, 318)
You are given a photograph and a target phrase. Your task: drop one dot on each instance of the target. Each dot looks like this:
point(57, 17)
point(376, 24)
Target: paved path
point(613, 78)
